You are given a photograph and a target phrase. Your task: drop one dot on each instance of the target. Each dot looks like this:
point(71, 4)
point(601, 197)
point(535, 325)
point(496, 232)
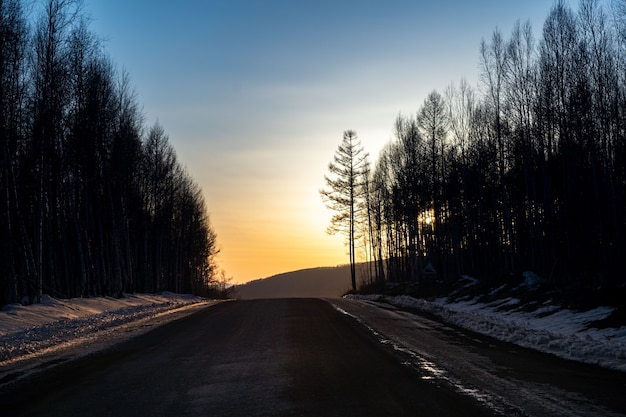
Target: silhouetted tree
point(16, 256)
point(345, 191)
point(529, 174)
point(90, 204)
point(432, 120)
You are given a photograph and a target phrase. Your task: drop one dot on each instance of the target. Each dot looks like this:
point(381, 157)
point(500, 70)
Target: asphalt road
point(298, 357)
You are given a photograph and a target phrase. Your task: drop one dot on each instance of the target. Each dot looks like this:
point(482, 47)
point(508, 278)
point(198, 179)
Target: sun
point(426, 217)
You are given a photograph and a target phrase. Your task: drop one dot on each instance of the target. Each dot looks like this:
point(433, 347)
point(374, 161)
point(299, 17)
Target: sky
point(255, 96)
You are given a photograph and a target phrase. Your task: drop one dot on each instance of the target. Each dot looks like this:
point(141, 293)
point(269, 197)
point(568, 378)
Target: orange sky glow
point(255, 97)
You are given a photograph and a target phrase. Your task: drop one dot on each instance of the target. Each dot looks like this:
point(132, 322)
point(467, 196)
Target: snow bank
point(29, 329)
point(549, 329)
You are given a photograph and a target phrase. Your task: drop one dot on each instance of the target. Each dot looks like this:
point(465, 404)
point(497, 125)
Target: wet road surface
point(506, 378)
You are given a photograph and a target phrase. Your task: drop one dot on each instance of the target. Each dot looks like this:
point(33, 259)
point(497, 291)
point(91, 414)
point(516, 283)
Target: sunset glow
point(255, 99)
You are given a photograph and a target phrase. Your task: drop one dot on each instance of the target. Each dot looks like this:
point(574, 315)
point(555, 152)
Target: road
point(311, 357)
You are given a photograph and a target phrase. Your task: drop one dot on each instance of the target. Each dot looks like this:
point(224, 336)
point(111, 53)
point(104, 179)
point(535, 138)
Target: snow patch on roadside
point(549, 329)
point(26, 330)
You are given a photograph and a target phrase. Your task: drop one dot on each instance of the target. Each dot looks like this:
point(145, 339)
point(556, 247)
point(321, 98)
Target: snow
point(549, 328)
point(32, 330)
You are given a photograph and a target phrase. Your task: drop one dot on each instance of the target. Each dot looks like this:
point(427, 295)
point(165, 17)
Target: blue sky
point(255, 96)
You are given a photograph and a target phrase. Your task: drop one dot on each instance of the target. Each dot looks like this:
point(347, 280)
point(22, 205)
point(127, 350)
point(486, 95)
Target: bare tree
point(50, 100)
point(15, 247)
point(432, 120)
point(461, 104)
point(345, 190)
point(413, 190)
point(532, 174)
point(520, 97)
point(494, 64)
point(86, 208)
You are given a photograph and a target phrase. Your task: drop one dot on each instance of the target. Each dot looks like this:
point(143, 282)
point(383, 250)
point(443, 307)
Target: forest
point(93, 201)
point(524, 172)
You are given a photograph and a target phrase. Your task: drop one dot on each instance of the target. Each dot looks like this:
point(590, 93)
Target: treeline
point(528, 172)
point(93, 202)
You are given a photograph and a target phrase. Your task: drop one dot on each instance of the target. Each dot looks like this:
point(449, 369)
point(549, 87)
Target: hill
point(328, 282)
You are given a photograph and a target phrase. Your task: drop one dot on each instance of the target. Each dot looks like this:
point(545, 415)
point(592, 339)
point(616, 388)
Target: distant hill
point(328, 282)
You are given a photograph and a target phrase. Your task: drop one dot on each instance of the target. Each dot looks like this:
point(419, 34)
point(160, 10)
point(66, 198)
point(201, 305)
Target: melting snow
point(550, 329)
point(32, 329)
